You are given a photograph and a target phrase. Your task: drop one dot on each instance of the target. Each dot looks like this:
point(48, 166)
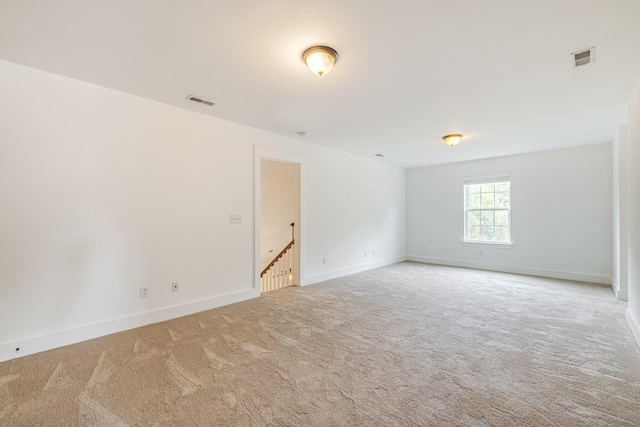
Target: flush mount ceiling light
point(320, 59)
point(452, 139)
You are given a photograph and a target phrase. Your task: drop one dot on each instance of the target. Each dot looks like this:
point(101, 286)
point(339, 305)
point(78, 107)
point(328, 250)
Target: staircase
point(279, 273)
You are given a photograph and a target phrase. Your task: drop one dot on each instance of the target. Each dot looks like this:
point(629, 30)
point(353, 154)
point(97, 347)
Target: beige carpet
point(409, 344)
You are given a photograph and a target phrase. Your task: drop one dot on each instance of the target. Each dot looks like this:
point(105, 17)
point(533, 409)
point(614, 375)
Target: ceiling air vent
point(200, 100)
point(583, 57)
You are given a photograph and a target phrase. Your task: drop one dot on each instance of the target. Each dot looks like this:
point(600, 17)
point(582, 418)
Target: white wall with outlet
point(561, 214)
point(363, 211)
point(102, 193)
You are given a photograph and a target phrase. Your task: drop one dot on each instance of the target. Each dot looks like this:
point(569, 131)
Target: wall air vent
point(200, 100)
point(583, 57)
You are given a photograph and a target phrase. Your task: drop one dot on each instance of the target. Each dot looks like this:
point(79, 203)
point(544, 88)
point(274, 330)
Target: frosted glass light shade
point(320, 59)
point(452, 139)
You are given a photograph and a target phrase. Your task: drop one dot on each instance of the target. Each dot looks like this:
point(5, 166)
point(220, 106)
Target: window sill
point(497, 245)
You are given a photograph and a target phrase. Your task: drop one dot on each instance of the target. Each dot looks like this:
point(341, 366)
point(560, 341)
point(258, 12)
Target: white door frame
point(282, 156)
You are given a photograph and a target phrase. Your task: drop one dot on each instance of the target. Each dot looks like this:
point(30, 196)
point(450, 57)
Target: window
point(487, 210)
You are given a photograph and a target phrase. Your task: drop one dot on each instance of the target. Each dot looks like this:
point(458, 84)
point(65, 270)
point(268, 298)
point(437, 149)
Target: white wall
point(561, 214)
point(619, 274)
point(363, 210)
point(633, 310)
point(279, 208)
point(103, 192)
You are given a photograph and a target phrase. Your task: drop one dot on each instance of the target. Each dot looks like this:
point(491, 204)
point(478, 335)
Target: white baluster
point(286, 268)
point(290, 269)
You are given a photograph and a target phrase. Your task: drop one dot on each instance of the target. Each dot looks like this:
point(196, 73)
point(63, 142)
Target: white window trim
point(486, 179)
point(497, 245)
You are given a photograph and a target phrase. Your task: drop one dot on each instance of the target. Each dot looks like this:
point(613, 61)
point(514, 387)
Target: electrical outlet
point(235, 219)
point(324, 261)
point(144, 291)
point(373, 252)
point(365, 253)
point(175, 286)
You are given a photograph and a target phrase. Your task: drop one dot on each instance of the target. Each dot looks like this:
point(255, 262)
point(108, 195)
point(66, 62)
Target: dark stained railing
point(282, 252)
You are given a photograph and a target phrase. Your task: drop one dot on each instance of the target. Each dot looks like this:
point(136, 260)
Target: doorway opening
point(278, 178)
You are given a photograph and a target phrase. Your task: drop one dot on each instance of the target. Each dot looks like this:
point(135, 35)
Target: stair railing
point(279, 272)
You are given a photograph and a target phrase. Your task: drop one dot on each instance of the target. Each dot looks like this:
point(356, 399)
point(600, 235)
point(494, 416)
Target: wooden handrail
point(278, 257)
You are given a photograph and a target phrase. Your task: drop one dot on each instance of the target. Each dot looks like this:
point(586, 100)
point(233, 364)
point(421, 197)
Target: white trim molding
point(494, 245)
point(633, 325)
point(71, 336)
point(515, 269)
point(619, 293)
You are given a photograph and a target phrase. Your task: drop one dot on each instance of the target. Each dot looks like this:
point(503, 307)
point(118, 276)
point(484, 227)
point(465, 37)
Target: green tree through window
point(487, 211)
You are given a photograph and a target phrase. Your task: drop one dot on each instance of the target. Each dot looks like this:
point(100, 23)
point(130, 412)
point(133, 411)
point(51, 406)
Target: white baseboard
point(71, 336)
point(321, 277)
point(620, 295)
point(555, 274)
point(633, 325)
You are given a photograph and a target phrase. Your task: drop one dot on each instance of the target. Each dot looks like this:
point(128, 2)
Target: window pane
point(487, 188)
point(474, 188)
point(473, 200)
point(502, 235)
point(487, 218)
point(487, 233)
point(502, 186)
point(473, 218)
point(502, 217)
point(487, 211)
point(502, 200)
point(487, 200)
point(473, 233)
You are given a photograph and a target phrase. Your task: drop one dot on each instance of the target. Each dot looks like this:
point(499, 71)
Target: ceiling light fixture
point(320, 59)
point(452, 139)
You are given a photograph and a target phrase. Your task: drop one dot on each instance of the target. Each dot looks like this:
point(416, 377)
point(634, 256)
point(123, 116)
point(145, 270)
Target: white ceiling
point(497, 71)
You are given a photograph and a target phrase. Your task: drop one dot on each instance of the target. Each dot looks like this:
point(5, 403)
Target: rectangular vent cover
point(584, 57)
point(200, 100)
